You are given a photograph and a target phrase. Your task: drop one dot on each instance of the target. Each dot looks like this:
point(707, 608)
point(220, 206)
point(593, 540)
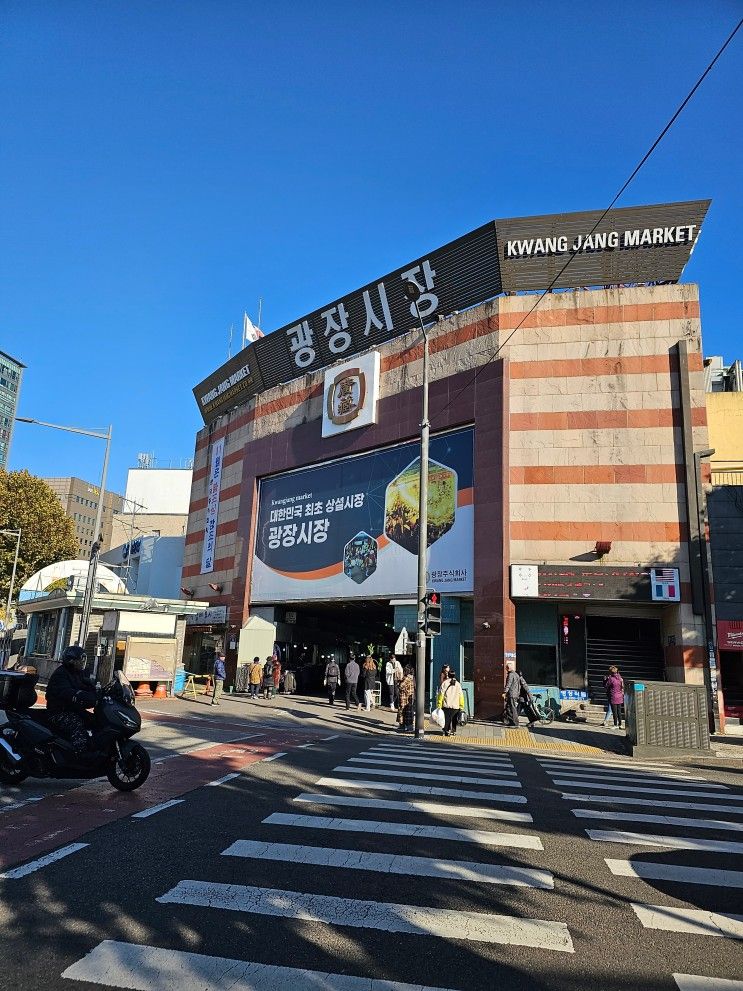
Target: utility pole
point(413, 293)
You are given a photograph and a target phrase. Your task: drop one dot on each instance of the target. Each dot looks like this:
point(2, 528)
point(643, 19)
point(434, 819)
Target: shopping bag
point(437, 716)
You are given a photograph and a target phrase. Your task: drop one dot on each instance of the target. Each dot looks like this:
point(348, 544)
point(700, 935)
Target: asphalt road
point(505, 887)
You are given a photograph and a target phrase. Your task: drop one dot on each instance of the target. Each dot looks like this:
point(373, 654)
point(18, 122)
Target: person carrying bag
point(451, 700)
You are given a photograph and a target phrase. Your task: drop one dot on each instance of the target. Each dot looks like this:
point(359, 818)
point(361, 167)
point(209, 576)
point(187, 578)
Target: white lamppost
point(95, 549)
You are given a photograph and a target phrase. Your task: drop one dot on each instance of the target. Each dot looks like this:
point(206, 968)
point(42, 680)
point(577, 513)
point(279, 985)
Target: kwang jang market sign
point(629, 245)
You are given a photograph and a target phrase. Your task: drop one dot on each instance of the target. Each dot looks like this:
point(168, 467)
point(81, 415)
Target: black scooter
point(28, 748)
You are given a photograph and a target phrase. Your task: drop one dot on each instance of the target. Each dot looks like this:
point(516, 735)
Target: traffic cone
point(143, 690)
point(161, 692)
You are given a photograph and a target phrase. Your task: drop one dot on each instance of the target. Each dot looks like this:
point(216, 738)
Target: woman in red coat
point(614, 686)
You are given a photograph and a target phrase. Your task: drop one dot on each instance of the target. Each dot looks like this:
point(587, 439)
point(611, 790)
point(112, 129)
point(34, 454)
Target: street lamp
point(710, 663)
point(95, 549)
point(413, 293)
point(17, 535)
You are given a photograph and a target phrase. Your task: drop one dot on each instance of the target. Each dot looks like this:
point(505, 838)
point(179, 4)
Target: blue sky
point(164, 165)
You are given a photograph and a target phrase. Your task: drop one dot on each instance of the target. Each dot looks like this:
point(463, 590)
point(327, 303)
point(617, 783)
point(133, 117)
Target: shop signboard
point(350, 395)
point(563, 250)
point(730, 634)
point(349, 529)
point(575, 582)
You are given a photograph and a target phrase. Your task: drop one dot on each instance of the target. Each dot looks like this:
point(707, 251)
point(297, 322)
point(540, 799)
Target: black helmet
point(74, 657)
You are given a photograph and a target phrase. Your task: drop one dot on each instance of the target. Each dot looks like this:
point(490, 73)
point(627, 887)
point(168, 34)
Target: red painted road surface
point(36, 829)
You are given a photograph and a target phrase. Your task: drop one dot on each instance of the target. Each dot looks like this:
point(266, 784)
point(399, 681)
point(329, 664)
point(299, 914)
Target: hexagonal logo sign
point(360, 557)
point(401, 504)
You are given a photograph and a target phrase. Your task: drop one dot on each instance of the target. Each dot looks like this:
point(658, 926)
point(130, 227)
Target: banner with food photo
point(349, 529)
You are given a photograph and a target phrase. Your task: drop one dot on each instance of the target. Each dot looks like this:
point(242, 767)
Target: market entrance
point(310, 635)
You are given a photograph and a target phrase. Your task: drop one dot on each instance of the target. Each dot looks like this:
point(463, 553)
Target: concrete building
point(724, 481)
point(80, 501)
point(11, 376)
point(562, 468)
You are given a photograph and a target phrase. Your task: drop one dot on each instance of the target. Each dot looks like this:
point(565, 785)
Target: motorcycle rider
point(68, 694)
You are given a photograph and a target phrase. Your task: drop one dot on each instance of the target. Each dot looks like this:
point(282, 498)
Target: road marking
point(671, 872)
point(694, 982)
point(327, 739)
point(673, 842)
point(389, 863)
point(439, 777)
point(619, 772)
point(19, 805)
point(428, 765)
point(157, 808)
point(689, 920)
point(438, 750)
point(570, 762)
point(389, 917)
point(148, 968)
point(637, 778)
point(221, 781)
point(403, 786)
point(663, 820)
point(654, 803)
point(282, 753)
point(439, 754)
point(573, 783)
point(481, 837)
point(430, 808)
point(36, 865)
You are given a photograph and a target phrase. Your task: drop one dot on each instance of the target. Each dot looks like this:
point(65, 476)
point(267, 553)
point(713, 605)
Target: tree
point(47, 533)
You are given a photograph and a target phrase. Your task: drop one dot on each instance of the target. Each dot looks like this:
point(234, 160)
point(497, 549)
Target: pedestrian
point(268, 678)
point(276, 675)
point(351, 675)
point(614, 685)
point(445, 674)
point(451, 700)
point(406, 711)
point(527, 700)
point(370, 681)
point(332, 677)
point(399, 675)
point(219, 675)
point(255, 676)
point(511, 695)
point(389, 678)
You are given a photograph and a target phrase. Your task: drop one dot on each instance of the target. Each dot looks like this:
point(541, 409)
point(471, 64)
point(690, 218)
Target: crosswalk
point(454, 816)
point(595, 783)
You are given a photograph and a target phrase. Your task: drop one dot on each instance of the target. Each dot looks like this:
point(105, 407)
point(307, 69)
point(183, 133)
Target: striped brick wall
point(594, 433)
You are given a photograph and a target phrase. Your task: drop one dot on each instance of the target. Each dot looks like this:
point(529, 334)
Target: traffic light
point(432, 623)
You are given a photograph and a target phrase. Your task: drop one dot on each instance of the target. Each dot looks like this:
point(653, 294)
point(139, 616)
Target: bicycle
point(543, 708)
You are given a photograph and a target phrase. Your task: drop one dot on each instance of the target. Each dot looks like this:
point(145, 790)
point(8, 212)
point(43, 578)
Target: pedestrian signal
point(432, 613)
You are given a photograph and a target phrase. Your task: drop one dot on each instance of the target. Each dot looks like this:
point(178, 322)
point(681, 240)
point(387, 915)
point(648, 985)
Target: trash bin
point(664, 719)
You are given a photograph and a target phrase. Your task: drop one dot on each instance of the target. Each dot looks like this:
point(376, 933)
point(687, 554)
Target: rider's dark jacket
point(69, 691)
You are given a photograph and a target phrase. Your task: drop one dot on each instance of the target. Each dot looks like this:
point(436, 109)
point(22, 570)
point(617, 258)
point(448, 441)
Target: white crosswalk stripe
point(694, 982)
point(149, 968)
point(469, 759)
point(689, 920)
point(429, 808)
point(411, 789)
point(603, 785)
point(384, 772)
point(389, 917)
point(621, 774)
point(673, 842)
point(671, 872)
point(662, 820)
point(389, 863)
point(633, 779)
point(479, 837)
point(406, 762)
point(655, 803)
point(569, 763)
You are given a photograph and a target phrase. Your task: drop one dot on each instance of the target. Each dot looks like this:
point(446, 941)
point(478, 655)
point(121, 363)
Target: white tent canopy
point(57, 575)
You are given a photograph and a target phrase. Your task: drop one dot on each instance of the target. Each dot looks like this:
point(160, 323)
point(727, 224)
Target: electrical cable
point(634, 173)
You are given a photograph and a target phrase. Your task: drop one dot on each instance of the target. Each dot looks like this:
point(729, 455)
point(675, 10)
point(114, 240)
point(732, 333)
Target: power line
point(634, 173)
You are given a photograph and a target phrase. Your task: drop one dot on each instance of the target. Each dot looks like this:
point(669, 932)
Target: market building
point(563, 523)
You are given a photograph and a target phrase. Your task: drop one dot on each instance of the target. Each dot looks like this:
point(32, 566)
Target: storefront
point(568, 444)
point(730, 646)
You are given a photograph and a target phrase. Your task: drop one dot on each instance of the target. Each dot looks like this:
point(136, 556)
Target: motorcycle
point(29, 748)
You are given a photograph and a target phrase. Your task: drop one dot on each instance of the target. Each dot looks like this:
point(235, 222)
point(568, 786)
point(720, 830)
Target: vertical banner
point(212, 508)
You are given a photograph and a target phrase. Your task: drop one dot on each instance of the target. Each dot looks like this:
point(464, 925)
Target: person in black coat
point(68, 694)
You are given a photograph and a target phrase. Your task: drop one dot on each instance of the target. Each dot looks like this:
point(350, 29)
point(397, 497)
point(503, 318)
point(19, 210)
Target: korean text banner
point(350, 529)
